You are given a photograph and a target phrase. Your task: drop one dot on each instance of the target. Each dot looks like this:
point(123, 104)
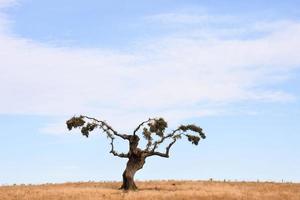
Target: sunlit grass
point(158, 190)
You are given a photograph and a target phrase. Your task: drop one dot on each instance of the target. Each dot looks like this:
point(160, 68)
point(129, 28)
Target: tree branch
point(87, 127)
point(140, 125)
point(106, 128)
point(166, 154)
point(155, 145)
point(121, 155)
point(170, 135)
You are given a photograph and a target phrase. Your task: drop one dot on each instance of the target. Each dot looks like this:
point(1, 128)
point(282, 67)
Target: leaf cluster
point(75, 122)
point(89, 127)
point(158, 126)
point(147, 134)
point(192, 138)
point(79, 122)
point(148, 137)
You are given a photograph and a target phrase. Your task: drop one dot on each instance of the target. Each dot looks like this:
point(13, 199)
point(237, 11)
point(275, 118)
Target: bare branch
point(166, 154)
point(172, 135)
point(87, 127)
point(157, 127)
point(175, 135)
point(155, 145)
point(182, 129)
point(140, 125)
point(107, 128)
point(121, 155)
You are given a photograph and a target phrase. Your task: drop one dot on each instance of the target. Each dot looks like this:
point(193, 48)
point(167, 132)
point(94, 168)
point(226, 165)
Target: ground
point(156, 190)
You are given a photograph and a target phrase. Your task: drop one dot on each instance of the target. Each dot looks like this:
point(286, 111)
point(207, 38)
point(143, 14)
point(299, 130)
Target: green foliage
point(158, 126)
point(75, 122)
point(79, 122)
point(194, 139)
point(192, 127)
point(85, 130)
point(176, 137)
point(147, 134)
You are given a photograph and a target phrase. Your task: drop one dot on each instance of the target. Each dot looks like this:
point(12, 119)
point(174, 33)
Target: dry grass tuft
point(158, 190)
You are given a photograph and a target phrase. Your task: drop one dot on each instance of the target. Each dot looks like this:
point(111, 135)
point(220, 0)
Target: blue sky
point(231, 67)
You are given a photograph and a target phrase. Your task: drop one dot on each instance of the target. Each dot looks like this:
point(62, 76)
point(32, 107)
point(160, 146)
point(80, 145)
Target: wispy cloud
point(175, 76)
point(4, 22)
point(6, 3)
point(184, 18)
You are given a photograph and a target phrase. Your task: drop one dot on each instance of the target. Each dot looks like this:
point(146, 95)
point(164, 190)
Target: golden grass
point(156, 190)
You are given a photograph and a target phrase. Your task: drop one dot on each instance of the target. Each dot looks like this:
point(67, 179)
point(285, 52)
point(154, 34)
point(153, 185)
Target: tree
point(153, 131)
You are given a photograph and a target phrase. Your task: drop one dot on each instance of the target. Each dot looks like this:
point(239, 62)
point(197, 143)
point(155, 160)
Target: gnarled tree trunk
point(136, 162)
point(128, 175)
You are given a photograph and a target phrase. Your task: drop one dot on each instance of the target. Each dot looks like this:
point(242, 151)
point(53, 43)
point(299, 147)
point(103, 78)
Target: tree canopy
point(152, 130)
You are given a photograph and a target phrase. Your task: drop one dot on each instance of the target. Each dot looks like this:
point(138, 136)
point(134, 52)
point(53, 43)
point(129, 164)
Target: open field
point(158, 190)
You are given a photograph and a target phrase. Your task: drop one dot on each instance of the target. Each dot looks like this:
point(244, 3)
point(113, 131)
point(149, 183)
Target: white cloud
point(4, 22)
point(184, 18)
point(6, 3)
point(174, 76)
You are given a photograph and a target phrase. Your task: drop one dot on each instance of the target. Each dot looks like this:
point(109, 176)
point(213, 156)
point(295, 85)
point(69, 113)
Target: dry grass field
point(156, 190)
